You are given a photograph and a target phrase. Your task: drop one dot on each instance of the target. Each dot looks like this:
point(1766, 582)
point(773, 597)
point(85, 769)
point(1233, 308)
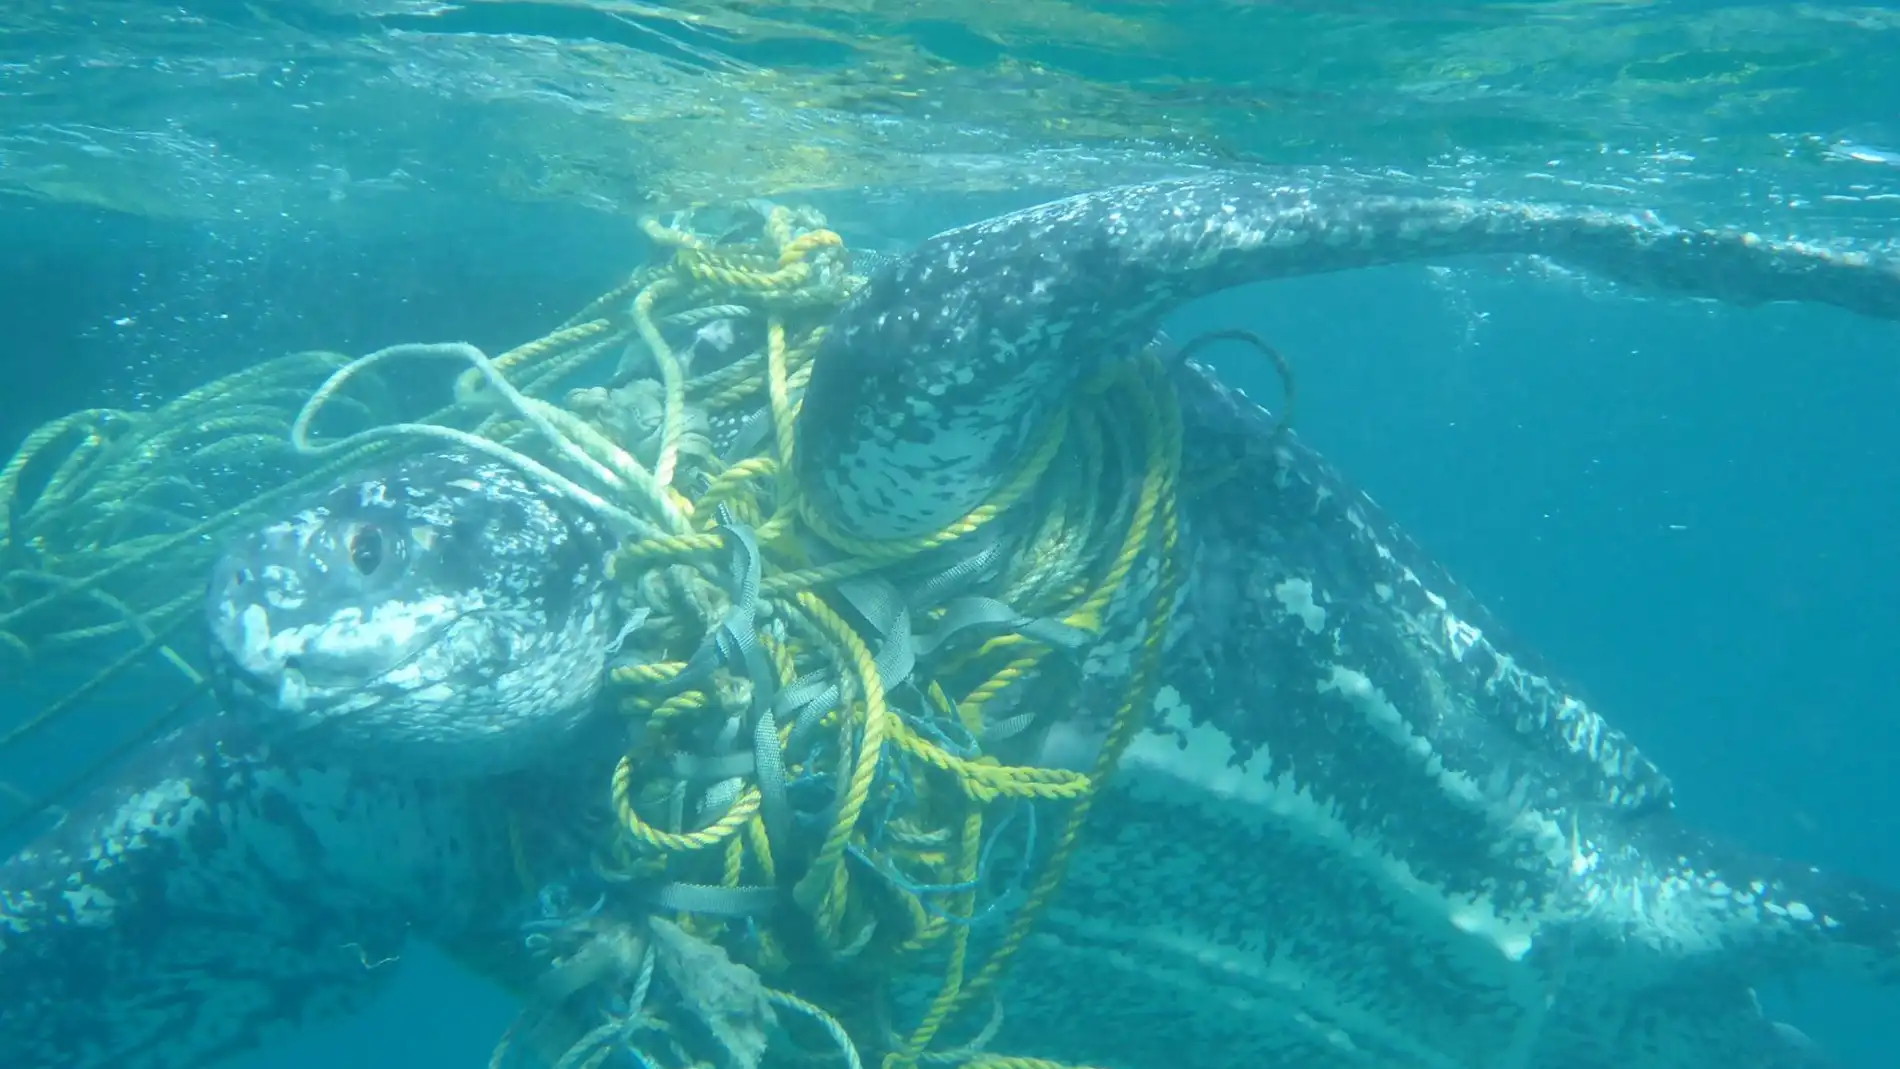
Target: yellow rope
point(823, 889)
point(1156, 500)
point(672, 379)
point(731, 823)
point(969, 852)
point(994, 1061)
point(826, 887)
point(1008, 497)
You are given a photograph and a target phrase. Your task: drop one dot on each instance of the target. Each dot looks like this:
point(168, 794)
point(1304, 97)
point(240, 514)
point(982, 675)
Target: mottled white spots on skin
point(891, 483)
point(15, 908)
point(1583, 859)
point(89, 906)
point(439, 512)
point(1476, 917)
point(1199, 762)
point(1626, 777)
point(253, 638)
point(284, 588)
point(293, 694)
point(1511, 819)
point(158, 810)
point(386, 635)
point(1297, 596)
point(1462, 636)
point(1006, 350)
point(1599, 887)
point(456, 672)
point(1209, 970)
point(1359, 692)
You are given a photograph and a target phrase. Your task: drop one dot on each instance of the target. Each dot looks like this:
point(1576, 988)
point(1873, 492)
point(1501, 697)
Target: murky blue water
point(1689, 508)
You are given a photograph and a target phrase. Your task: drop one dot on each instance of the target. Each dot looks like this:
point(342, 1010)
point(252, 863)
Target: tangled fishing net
point(815, 844)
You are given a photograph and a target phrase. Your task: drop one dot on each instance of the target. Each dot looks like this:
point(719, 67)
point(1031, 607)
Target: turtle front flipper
point(218, 896)
point(938, 380)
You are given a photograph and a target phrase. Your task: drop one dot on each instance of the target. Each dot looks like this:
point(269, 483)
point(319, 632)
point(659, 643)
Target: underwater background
point(1690, 509)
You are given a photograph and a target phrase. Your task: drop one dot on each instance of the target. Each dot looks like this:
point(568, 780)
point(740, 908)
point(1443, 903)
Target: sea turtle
point(1356, 828)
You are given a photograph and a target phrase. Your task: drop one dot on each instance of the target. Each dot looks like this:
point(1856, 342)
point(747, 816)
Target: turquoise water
point(1689, 508)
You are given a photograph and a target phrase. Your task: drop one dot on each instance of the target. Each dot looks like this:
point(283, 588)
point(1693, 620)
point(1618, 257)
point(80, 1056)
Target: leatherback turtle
point(1358, 827)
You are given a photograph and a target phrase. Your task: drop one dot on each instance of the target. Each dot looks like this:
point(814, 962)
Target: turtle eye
point(367, 548)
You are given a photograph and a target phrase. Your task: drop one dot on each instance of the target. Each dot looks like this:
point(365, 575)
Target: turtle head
point(443, 614)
